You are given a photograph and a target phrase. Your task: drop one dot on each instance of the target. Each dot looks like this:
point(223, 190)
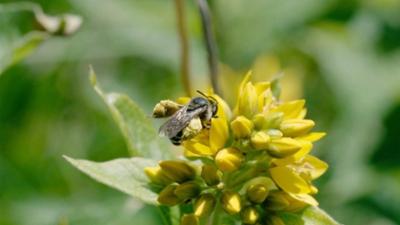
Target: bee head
point(209, 100)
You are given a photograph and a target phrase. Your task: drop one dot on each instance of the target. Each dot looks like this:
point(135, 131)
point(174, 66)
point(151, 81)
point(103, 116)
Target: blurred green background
point(344, 58)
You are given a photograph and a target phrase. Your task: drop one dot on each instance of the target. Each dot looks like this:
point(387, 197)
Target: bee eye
point(199, 101)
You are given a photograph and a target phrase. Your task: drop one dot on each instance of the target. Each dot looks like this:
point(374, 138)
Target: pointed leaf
point(125, 175)
point(140, 135)
point(317, 216)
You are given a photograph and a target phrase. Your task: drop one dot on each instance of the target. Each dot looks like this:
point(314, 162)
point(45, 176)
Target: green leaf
point(125, 175)
point(316, 216)
point(139, 133)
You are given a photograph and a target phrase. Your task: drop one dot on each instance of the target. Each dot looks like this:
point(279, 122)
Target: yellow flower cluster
point(254, 161)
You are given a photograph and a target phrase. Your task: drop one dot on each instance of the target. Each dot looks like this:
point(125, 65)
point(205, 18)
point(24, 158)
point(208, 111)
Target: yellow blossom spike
point(218, 133)
point(228, 159)
point(260, 140)
point(241, 127)
point(187, 190)
point(204, 205)
point(291, 109)
point(249, 215)
point(211, 175)
point(296, 127)
point(318, 167)
point(283, 147)
point(167, 196)
point(231, 202)
point(289, 181)
point(177, 170)
point(189, 219)
point(313, 137)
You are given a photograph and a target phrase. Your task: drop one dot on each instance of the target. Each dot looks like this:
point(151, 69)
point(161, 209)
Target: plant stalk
point(184, 42)
point(210, 43)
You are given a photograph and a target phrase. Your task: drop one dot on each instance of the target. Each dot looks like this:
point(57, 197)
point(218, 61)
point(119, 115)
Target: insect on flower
point(185, 121)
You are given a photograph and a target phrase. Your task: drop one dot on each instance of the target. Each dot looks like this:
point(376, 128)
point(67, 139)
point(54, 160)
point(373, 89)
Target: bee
point(186, 121)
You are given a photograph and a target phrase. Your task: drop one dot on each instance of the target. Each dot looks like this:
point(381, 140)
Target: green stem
point(184, 41)
point(211, 45)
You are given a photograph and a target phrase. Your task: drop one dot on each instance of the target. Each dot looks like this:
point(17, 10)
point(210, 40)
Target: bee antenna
point(207, 96)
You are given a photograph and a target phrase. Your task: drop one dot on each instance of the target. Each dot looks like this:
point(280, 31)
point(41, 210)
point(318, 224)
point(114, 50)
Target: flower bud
point(156, 175)
point(259, 140)
point(249, 215)
point(248, 101)
point(283, 147)
point(257, 193)
point(228, 159)
point(189, 219)
point(165, 108)
point(241, 127)
point(204, 205)
point(259, 121)
point(187, 190)
point(168, 197)
point(275, 220)
point(211, 175)
point(231, 202)
point(277, 200)
point(273, 120)
point(176, 170)
point(274, 133)
point(296, 127)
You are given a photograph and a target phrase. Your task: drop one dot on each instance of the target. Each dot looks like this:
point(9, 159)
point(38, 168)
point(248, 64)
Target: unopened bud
point(248, 101)
point(228, 159)
point(241, 127)
point(283, 147)
point(168, 197)
point(249, 215)
point(273, 120)
point(204, 205)
point(275, 133)
point(156, 175)
point(259, 121)
point(178, 171)
point(165, 108)
point(277, 200)
point(189, 219)
point(211, 175)
point(260, 140)
point(296, 127)
point(275, 220)
point(231, 202)
point(187, 190)
point(257, 193)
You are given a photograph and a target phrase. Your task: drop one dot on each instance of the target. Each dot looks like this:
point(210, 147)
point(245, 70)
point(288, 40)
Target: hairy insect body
point(187, 120)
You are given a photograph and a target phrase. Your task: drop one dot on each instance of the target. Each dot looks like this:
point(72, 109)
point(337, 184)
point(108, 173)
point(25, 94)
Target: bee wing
point(179, 121)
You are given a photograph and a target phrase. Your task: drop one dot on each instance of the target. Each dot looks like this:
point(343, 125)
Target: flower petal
point(318, 166)
point(289, 181)
point(292, 109)
point(218, 133)
point(198, 148)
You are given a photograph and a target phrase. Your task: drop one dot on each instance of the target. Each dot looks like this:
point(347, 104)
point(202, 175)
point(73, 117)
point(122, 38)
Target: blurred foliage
point(346, 54)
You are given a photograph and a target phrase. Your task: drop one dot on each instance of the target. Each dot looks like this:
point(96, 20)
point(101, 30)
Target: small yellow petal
point(248, 101)
point(316, 166)
point(313, 137)
point(287, 179)
point(204, 205)
point(260, 140)
point(198, 148)
point(231, 202)
point(291, 109)
point(218, 133)
point(283, 147)
point(305, 198)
